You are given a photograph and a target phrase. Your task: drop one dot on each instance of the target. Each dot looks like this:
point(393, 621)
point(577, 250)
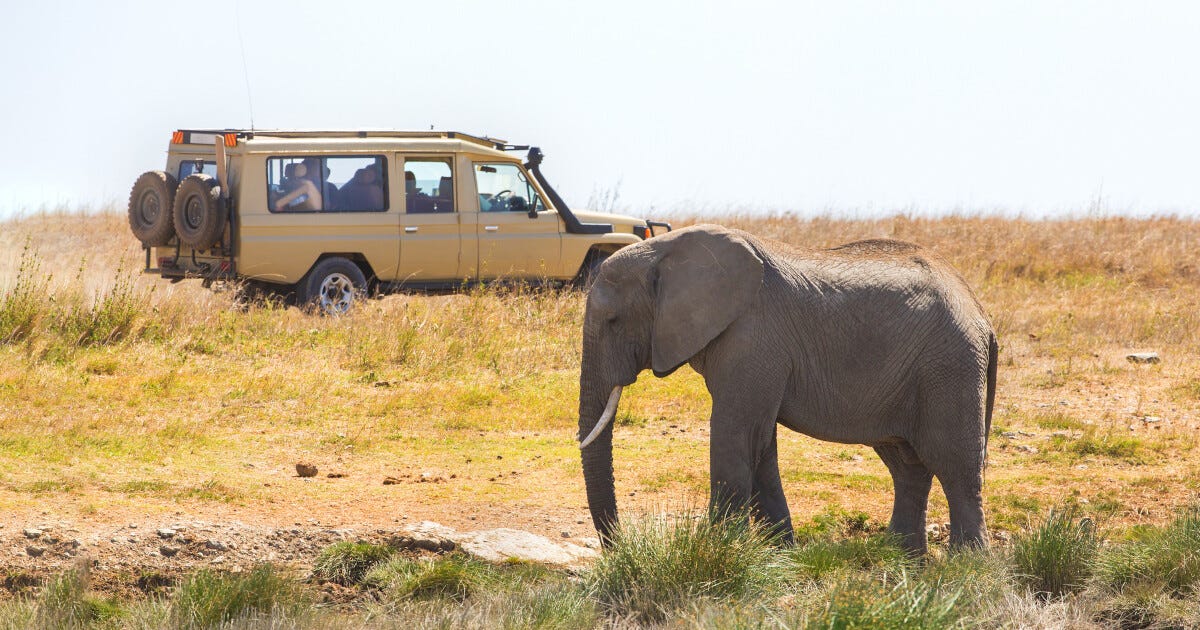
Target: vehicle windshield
point(504, 187)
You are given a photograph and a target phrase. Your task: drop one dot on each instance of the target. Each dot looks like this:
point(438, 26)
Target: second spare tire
point(199, 213)
point(151, 207)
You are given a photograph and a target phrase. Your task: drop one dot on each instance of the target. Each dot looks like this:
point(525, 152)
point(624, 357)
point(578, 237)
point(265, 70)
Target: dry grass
point(199, 404)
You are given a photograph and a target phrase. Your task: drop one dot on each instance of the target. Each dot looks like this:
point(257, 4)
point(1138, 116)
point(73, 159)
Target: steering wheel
point(498, 200)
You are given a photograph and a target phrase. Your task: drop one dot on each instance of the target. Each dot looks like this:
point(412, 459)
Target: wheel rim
point(337, 294)
point(193, 212)
point(149, 207)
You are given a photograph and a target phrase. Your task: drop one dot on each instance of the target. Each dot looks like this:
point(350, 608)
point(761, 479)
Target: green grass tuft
point(65, 603)
point(819, 558)
point(904, 603)
point(659, 565)
point(209, 598)
point(455, 577)
point(1056, 557)
point(346, 563)
point(1165, 558)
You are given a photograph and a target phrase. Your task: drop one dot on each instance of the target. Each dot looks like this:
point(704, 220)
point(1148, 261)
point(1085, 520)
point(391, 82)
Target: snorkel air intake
point(574, 226)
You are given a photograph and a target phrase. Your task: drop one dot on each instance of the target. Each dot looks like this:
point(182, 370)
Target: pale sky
point(845, 107)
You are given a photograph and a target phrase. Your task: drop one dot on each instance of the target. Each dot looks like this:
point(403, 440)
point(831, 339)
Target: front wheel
point(591, 269)
point(333, 287)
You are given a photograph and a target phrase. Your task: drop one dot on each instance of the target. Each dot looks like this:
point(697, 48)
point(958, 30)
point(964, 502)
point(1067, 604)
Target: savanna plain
point(149, 434)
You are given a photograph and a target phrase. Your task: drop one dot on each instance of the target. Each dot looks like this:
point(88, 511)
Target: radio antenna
point(245, 72)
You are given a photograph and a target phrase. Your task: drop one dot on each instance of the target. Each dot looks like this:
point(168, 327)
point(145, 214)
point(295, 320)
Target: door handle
point(410, 229)
point(491, 228)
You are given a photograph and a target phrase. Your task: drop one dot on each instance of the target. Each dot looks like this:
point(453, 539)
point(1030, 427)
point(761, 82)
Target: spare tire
point(151, 206)
point(199, 213)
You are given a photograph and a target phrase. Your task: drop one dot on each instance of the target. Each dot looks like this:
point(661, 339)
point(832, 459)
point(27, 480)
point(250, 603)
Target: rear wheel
point(198, 212)
point(333, 287)
point(150, 204)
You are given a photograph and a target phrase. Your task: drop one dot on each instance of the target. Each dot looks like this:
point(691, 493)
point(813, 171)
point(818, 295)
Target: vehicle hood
point(591, 216)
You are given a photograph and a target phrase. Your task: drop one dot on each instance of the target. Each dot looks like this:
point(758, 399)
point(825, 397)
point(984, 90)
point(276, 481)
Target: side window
point(327, 184)
point(189, 167)
point(428, 185)
point(356, 183)
point(504, 187)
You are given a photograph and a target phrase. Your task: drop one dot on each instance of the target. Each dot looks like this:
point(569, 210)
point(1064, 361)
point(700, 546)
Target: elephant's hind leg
point(769, 501)
point(911, 480)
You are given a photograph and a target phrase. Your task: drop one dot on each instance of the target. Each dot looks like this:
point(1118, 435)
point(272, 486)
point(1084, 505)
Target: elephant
point(877, 342)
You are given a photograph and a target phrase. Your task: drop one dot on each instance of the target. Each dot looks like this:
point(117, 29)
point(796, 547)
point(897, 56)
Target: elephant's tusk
point(609, 412)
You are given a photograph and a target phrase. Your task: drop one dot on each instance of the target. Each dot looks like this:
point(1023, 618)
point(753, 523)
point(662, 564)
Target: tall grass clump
point(24, 303)
point(905, 603)
point(1165, 558)
point(658, 565)
point(455, 577)
point(347, 562)
point(209, 598)
point(65, 603)
point(819, 558)
point(110, 317)
point(1056, 557)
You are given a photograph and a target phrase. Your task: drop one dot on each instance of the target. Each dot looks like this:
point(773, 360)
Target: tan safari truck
point(331, 216)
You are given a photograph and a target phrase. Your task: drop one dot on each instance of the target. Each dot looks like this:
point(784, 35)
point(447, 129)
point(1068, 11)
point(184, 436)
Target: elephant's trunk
point(597, 457)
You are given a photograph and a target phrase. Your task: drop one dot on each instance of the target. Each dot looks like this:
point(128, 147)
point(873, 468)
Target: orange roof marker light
point(177, 137)
point(231, 140)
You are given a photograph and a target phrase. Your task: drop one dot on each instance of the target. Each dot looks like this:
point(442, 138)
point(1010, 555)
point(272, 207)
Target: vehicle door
point(432, 230)
point(301, 214)
point(519, 236)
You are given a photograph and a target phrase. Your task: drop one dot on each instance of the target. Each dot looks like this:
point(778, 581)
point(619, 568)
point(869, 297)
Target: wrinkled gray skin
point(876, 342)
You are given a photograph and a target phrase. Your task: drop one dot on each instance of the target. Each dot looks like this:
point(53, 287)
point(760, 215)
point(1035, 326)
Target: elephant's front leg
point(743, 460)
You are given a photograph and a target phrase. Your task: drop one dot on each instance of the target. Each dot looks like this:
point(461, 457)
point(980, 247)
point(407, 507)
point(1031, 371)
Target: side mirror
point(533, 212)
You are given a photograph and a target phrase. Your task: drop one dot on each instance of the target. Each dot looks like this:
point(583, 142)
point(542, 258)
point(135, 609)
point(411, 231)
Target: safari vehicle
point(330, 216)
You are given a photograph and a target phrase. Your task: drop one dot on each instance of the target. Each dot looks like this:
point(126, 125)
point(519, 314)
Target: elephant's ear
point(707, 277)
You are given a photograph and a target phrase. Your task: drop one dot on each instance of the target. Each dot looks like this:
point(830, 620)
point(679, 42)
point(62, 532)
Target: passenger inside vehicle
point(318, 173)
point(364, 191)
point(300, 193)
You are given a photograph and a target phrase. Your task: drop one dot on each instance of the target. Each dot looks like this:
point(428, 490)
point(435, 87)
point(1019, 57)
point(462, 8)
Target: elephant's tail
point(993, 356)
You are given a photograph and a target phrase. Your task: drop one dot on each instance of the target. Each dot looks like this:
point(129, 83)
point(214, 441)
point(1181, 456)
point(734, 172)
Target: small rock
point(304, 469)
point(391, 481)
point(336, 475)
point(1143, 357)
point(1025, 448)
point(165, 533)
point(1151, 419)
point(856, 457)
point(34, 552)
point(133, 526)
point(1009, 435)
point(33, 534)
point(566, 534)
point(168, 551)
point(216, 545)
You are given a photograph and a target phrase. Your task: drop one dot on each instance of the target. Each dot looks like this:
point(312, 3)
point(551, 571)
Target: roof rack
point(494, 143)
